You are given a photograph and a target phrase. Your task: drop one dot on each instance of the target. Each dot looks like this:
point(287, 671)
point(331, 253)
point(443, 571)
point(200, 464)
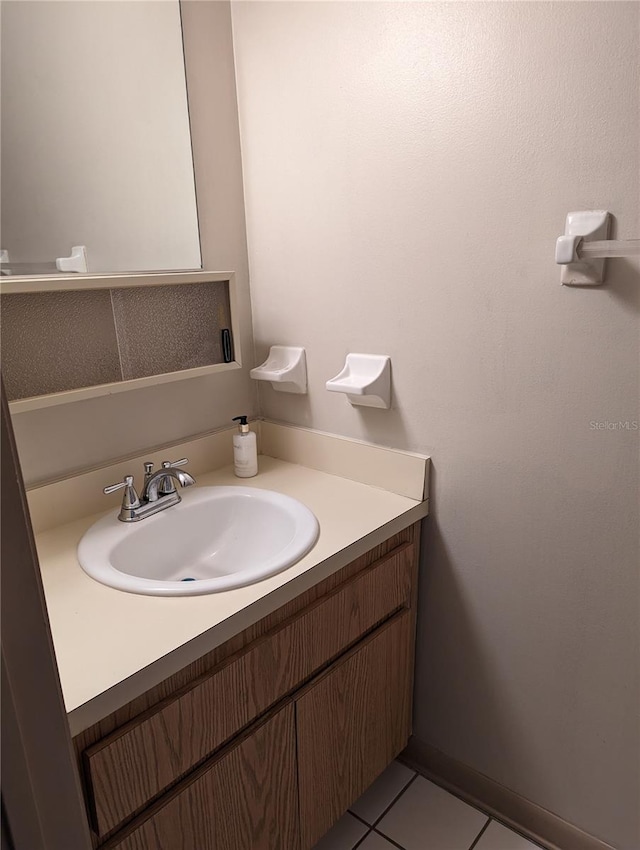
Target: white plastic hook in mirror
point(77, 262)
point(365, 380)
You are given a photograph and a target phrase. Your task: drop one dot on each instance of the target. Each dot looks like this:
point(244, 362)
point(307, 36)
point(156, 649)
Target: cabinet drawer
point(245, 799)
point(141, 759)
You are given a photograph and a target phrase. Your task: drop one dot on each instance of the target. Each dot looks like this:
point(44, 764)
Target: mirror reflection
point(97, 170)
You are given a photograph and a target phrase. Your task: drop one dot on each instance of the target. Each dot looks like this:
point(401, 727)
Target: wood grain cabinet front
point(351, 723)
point(246, 799)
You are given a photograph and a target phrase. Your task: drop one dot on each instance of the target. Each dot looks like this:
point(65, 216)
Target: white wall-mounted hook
point(77, 262)
point(567, 250)
point(365, 379)
point(285, 368)
point(580, 227)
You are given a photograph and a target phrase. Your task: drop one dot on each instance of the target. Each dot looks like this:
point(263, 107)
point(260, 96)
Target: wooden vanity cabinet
point(266, 741)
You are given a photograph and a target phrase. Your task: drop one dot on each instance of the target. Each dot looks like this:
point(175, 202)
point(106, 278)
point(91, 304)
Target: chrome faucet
point(159, 490)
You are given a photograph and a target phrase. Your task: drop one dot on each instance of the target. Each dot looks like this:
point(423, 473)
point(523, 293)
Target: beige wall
point(59, 440)
point(95, 135)
point(408, 168)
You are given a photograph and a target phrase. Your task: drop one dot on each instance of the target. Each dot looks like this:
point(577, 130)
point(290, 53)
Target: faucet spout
point(158, 479)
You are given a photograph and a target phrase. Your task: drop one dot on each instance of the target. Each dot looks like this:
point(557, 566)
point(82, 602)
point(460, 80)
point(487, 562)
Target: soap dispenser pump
point(245, 450)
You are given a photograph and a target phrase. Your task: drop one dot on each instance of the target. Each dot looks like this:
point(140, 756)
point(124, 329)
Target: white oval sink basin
point(216, 539)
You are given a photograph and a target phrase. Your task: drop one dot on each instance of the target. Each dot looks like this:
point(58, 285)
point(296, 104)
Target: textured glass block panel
point(55, 341)
point(169, 328)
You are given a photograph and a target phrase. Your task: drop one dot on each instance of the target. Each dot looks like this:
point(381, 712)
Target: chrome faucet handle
point(168, 485)
point(130, 499)
point(126, 482)
point(167, 463)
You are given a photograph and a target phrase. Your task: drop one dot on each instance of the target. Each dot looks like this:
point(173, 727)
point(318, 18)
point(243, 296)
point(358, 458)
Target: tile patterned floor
point(404, 811)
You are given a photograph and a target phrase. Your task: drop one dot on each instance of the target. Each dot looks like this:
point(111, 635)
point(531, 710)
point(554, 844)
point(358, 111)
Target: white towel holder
point(585, 245)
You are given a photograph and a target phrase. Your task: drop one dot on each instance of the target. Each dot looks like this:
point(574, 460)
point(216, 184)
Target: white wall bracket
point(77, 262)
point(365, 379)
point(285, 368)
point(585, 226)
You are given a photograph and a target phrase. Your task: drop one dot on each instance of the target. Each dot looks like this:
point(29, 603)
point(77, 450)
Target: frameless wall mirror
point(96, 148)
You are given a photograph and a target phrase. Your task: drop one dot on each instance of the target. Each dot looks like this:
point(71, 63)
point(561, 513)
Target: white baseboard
point(513, 810)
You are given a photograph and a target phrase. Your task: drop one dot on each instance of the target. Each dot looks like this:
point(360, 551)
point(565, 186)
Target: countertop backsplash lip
point(396, 470)
point(55, 503)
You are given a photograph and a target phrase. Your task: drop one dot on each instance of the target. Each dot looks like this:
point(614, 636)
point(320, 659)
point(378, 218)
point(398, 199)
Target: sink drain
point(187, 579)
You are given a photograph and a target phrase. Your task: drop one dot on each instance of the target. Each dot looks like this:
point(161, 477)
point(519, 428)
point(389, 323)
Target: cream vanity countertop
point(112, 646)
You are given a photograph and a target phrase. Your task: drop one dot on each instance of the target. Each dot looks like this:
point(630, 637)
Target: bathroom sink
point(216, 539)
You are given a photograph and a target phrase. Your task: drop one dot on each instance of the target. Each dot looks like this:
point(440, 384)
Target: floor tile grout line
point(392, 803)
point(388, 809)
point(457, 795)
point(374, 827)
point(360, 840)
point(390, 840)
point(480, 834)
point(395, 800)
point(357, 817)
point(476, 806)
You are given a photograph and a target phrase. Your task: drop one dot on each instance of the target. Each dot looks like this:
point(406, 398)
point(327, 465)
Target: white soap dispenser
point(245, 450)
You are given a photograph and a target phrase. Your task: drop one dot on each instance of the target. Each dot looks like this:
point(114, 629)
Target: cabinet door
point(245, 799)
point(351, 723)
